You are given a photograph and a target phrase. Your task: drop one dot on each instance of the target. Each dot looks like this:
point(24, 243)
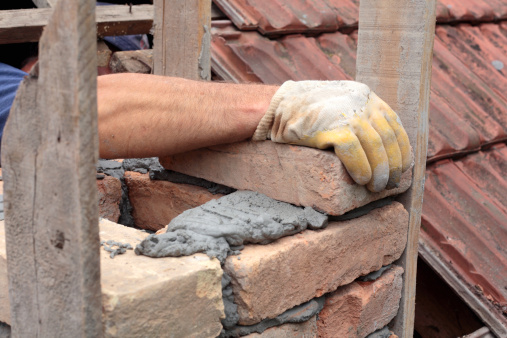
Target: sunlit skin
point(146, 115)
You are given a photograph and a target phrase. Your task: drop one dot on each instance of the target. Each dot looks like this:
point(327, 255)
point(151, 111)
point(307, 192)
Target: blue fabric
point(10, 78)
point(126, 42)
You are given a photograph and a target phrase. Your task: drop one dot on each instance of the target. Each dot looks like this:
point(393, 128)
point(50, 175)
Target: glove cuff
point(263, 129)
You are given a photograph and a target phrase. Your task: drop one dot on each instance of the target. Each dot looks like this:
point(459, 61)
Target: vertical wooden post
point(395, 51)
point(182, 38)
point(49, 152)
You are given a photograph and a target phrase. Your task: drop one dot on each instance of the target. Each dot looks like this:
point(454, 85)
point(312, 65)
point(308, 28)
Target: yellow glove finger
point(348, 149)
point(402, 137)
point(379, 123)
point(375, 152)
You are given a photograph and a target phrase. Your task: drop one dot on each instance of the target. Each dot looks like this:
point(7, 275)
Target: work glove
point(366, 134)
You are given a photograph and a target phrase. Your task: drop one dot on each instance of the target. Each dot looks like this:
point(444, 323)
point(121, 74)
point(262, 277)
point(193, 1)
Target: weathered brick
point(156, 203)
point(146, 297)
point(135, 61)
point(306, 329)
point(293, 174)
point(360, 308)
point(270, 279)
point(109, 189)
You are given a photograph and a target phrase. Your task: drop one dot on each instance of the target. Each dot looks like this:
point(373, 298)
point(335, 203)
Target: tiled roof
point(468, 94)
point(465, 219)
point(279, 17)
point(465, 204)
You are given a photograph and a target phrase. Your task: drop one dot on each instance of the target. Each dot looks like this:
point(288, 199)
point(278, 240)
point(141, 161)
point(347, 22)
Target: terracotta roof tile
point(275, 17)
point(470, 96)
point(464, 219)
point(479, 53)
point(236, 54)
point(469, 10)
point(468, 105)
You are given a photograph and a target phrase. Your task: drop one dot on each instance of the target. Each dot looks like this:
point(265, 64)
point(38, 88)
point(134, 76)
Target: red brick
point(109, 198)
point(293, 174)
point(360, 308)
point(270, 279)
point(156, 203)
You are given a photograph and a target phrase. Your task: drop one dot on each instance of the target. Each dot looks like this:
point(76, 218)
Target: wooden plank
point(485, 310)
point(182, 38)
point(26, 25)
point(50, 148)
point(395, 51)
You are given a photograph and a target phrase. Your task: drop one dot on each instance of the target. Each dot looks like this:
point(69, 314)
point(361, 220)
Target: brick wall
point(273, 285)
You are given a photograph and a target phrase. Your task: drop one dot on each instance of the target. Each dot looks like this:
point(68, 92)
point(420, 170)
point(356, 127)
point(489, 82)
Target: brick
point(138, 61)
point(306, 329)
point(156, 203)
point(109, 189)
point(146, 297)
point(103, 54)
point(293, 174)
point(361, 308)
point(270, 279)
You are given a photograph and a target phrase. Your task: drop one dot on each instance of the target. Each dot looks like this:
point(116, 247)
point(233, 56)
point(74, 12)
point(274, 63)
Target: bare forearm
point(147, 115)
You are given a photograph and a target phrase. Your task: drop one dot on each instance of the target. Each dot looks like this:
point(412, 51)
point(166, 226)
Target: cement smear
point(382, 333)
point(230, 308)
point(158, 173)
point(142, 165)
point(375, 274)
point(115, 248)
point(116, 170)
point(175, 177)
point(298, 314)
point(220, 227)
point(361, 211)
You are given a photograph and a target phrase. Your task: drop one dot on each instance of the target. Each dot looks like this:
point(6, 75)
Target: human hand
point(366, 133)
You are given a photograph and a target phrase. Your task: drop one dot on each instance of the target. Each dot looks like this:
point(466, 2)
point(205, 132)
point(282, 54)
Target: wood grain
point(395, 51)
point(26, 25)
point(50, 148)
point(182, 38)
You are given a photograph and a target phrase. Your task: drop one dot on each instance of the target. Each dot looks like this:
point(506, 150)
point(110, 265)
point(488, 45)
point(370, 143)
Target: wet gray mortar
point(221, 227)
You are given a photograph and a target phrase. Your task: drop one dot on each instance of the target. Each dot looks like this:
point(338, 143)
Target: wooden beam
point(26, 25)
point(395, 51)
point(50, 148)
point(182, 38)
